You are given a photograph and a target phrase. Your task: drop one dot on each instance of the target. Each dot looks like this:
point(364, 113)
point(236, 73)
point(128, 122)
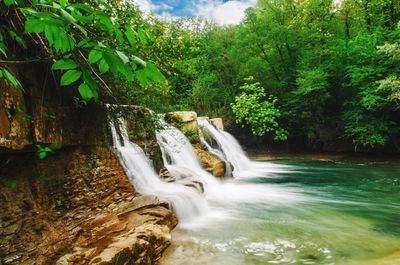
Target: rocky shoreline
point(83, 210)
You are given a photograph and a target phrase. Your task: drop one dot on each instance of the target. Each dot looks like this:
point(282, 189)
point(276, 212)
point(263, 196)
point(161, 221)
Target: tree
point(254, 108)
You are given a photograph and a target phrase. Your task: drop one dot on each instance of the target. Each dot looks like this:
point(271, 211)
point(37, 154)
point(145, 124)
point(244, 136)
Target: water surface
point(304, 213)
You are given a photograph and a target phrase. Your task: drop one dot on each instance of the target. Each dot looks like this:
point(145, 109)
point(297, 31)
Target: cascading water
point(186, 202)
point(180, 158)
point(182, 162)
point(228, 148)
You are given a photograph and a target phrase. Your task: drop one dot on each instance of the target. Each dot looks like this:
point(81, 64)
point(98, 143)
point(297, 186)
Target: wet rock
point(210, 162)
point(193, 184)
point(80, 212)
point(166, 176)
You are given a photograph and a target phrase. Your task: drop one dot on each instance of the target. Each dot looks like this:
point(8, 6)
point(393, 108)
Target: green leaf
point(64, 65)
point(42, 154)
point(47, 149)
point(141, 76)
point(34, 26)
point(86, 92)
point(142, 36)
point(130, 35)
point(123, 57)
point(83, 7)
point(85, 43)
point(67, 16)
point(11, 78)
point(8, 2)
point(17, 38)
point(153, 73)
point(49, 33)
point(70, 76)
point(103, 66)
point(63, 3)
point(58, 202)
point(120, 36)
point(3, 52)
point(91, 83)
point(139, 61)
point(94, 56)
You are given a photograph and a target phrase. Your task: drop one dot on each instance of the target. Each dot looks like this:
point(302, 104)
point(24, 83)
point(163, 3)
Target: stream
point(302, 212)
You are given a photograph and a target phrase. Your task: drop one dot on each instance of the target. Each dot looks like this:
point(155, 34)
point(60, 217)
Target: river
point(303, 212)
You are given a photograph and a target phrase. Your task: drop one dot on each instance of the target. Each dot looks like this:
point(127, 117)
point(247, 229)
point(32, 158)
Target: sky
point(222, 12)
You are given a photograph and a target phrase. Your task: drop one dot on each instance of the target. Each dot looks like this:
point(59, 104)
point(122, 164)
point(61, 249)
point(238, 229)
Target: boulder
point(218, 123)
point(210, 162)
point(184, 120)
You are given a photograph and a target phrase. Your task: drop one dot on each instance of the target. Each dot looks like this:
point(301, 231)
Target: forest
point(135, 137)
point(311, 73)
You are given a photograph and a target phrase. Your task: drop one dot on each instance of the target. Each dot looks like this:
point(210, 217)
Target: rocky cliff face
point(77, 206)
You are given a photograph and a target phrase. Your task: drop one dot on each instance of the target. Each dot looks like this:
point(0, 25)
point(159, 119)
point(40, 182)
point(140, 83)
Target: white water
point(186, 202)
point(230, 150)
point(181, 160)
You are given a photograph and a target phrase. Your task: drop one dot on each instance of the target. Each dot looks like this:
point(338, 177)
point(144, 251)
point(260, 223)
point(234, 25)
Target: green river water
point(309, 213)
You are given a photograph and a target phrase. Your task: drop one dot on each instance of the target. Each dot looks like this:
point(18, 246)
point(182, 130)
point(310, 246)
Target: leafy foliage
point(43, 151)
point(329, 66)
point(253, 108)
point(81, 36)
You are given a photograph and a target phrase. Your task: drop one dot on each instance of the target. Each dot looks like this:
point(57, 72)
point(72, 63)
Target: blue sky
point(223, 12)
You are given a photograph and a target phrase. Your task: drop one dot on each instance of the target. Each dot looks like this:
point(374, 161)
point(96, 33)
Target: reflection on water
point(309, 213)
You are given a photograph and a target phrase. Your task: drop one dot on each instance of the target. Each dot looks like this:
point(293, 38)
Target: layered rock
point(78, 207)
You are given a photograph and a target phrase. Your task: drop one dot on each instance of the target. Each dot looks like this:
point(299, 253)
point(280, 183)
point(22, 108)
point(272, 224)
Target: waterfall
point(225, 146)
point(229, 149)
point(185, 201)
point(180, 158)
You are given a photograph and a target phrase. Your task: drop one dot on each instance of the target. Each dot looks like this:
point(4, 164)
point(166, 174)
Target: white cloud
point(228, 13)
point(223, 13)
point(144, 5)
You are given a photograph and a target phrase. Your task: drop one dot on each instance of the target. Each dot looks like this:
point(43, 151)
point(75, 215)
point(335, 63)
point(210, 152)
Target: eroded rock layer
point(77, 207)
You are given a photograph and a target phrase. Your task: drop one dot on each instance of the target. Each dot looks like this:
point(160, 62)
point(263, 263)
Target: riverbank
point(360, 158)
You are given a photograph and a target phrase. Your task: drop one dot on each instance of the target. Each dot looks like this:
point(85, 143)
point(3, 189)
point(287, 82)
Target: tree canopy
point(317, 66)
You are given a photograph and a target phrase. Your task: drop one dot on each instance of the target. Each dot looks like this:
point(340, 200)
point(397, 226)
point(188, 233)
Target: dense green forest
point(304, 71)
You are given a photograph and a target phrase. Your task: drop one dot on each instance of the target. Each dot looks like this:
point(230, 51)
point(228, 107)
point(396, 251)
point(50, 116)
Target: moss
point(192, 135)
